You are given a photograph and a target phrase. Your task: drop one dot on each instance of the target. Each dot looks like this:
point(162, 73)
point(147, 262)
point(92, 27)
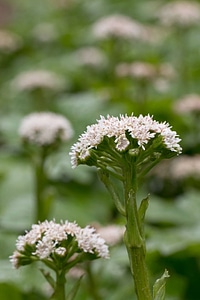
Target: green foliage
point(172, 218)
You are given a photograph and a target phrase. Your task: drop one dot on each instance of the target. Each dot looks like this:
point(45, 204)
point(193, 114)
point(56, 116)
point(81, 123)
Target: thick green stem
point(134, 238)
point(59, 293)
point(139, 272)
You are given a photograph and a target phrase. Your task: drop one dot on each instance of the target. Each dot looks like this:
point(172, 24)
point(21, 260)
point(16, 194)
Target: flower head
point(139, 70)
point(9, 42)
point(38, 79)
point(180, 168)
point(45, 32)
point(145, 71)
point(188, 104)
point(181, 13)
point(113, 141)
point(118, 26)
point(49, 240)
point(112, 234)
point(90, 56)
point(45, 128)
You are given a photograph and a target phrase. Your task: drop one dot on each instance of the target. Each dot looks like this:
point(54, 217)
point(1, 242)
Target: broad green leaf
point(9, 291)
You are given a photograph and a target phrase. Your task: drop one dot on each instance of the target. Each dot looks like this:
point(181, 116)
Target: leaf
point(159, 287)
point(9, 291)
point(143, 208)
point(49, 278)
point(74, 290)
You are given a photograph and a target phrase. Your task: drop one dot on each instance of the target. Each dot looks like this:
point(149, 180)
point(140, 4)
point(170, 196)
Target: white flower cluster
point(34, 79)
point(45, 128)
point(182, 13)
point(180, 168)
point(45, 32)
point(142, 129)
point(118, 26)
point(47, 238)
point(188, 104)
point(90, 56)
point(112, 234)
point(144, 70)
point(139, 70)
point(9, 42)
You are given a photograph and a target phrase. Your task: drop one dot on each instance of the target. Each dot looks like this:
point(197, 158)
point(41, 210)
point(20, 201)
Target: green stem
point(92, 283)
point(59, 293)
point(134, 238)
point(139, 272)
point(40, 181)
point(142, 95)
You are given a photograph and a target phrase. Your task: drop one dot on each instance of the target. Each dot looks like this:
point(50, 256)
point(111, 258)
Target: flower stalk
point(59, 293)
point(41, 212)
point(41, 134)
point(134, 239)
point(126, 148)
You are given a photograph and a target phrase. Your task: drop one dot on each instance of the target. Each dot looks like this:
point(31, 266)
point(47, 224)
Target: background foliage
point(49, 34)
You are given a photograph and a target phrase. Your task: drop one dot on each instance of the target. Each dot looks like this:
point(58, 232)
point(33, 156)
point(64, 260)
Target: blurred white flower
point(139, 70)
point(9, 42)
point(45, 128)
point(144, 70)
point(119, 26)
point(167, 71)
point(179, 168)
point(161, 85)
point(90, 56)
point(45, 32)
point(112, 234)
point(181, 13)
point(165, 75)
point(185, 166)
point(34, 79)
point(188, 104)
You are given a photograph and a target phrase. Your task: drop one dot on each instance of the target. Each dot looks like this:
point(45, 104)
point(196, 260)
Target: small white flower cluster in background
point(179, 168)
point(45, 32)
point(142, 129)
point(45, 128)
point(139, 70)
point(112, 234)
point(90, 56)
point(9, 42)
point(48, 238)
point(185, 166)
point(188, 104)
point(144, 70)
point(34, 79)
point(160, 76)
point(181, 13)
point(118, 26)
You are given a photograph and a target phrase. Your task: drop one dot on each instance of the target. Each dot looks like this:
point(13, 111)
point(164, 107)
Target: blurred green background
point(57, 36)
